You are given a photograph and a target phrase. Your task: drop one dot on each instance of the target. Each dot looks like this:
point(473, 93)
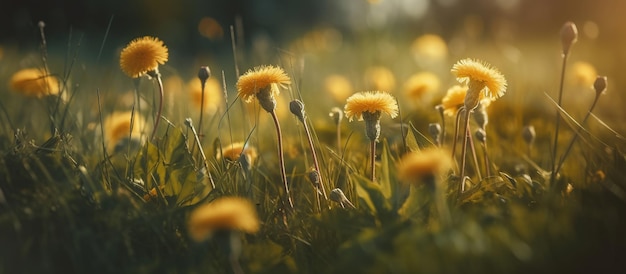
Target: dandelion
point(34, 82)
point(380, 78)
point(120, 126)
point(235, 151)
point(482, 80)
point(369, 106)
point(453, 99)
point(421, 84)
point(339, 87)
point(263, 83)
point(226, 213)
point(143, 56)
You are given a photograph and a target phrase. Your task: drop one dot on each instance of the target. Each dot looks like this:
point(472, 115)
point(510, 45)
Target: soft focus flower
point(372, 102)
point(583, 74)
point(213, 97)
point(420, 84)
point(226, 213)
point(429, 46)
point(234, 151)
point(338, 86)
point(453, 99)
point(480, 75)
point(417, 166)
point(259, 78)
point(34, 82)
point(117, 129)
point(142, 55)
point(380, 78)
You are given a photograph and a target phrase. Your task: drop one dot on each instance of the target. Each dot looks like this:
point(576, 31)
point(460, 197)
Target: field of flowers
point(331, 153)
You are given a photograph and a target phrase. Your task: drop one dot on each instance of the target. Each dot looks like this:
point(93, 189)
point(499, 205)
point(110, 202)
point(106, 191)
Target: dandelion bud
point(481, 117)
point(372, 125)
point(434, 129)
point(529, 135)
point(314, 176)
point(481, 135)
point(204, 73)
point(569, 36)
point(337, 195)
point(600, 84)
point(297, 108)
point(337, 115)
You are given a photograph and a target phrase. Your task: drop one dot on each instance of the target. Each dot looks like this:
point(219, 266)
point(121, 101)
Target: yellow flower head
point(417, 166)
point(212, 94)
point(380, 78)
point(338, 86)
point(481, 75)
point(429, 46)
point(233, 151)
point(259, 78)
point(142, 55)
point(420, 84)
point(583, 74)
point(33, 82)
point(117, 128)
point(372, 102)
point(454, 99)
point(226, 213)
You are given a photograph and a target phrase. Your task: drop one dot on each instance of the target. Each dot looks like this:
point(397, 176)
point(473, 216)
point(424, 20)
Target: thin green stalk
point(558, 121)
point(464, 151)
point(157, 75)
point(281, 158)
point(373, 159)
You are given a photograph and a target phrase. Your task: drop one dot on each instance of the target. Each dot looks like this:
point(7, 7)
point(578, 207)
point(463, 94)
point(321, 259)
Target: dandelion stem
point(315, 161)
point(558, 121)
point(155, 73)
point(464, 150)
point(456, 135)
point(470, 139)
point(281, 158)
point(373, 159)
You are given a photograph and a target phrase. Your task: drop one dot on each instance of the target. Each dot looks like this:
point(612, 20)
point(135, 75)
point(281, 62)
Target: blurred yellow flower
point(259, 78)
point(372, 102)
point(429, 46)
point(417, 166)
point(210, 28)
point(226, 213)
point(583, 74)
point(234, 151)
point(453, 99)
point(380, 78)
point(481, 76)
point(420, 84)
point(213, 97)
point(338, 86)
point(117, 128)
point(34, 82)
point(142, 55)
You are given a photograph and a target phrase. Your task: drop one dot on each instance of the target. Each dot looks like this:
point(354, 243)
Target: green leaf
point(411, 141)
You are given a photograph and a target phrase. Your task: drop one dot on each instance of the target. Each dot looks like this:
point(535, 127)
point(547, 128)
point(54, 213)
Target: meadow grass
point(108, 175)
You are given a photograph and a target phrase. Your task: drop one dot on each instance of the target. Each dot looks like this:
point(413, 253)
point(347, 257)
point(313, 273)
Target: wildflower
point(380, 78)
point(117, 127)
point(234, 151)
point(429, 46)
point(420, 84)
point(479, 76)
point(253, 82)
point(143, 55)
point(34, 82)
point(339, 87)
point(226, 213)
point(421, 166)
point(370, 102)
point(212, 94)
point(453, 99)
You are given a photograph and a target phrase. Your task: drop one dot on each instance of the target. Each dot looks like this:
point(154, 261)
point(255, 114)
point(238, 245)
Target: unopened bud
point(569, 36)
point(203, 74)
point(434, 129)
point(337, 115)
point(337, 195)
point(297, 108)
point(529, 134)
point(481, 135)
point(481, 117)
point(600, 84)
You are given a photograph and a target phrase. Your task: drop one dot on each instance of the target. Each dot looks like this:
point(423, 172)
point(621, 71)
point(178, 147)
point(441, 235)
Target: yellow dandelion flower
point(429, 46)
point(380, 78)
point(259, 78)
point(117, 129)
point(213, 97)
point(420, 84)
point(481, 76)
point(417, 166)
point(454, 99)
point(233, 151)
point(372, 102)
point(226, 213)
point(34, 82)
point(583, 74)
point(143, 55)
point(338, 86)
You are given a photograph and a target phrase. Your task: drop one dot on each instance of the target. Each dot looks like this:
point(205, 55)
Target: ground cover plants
point(295, 167)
